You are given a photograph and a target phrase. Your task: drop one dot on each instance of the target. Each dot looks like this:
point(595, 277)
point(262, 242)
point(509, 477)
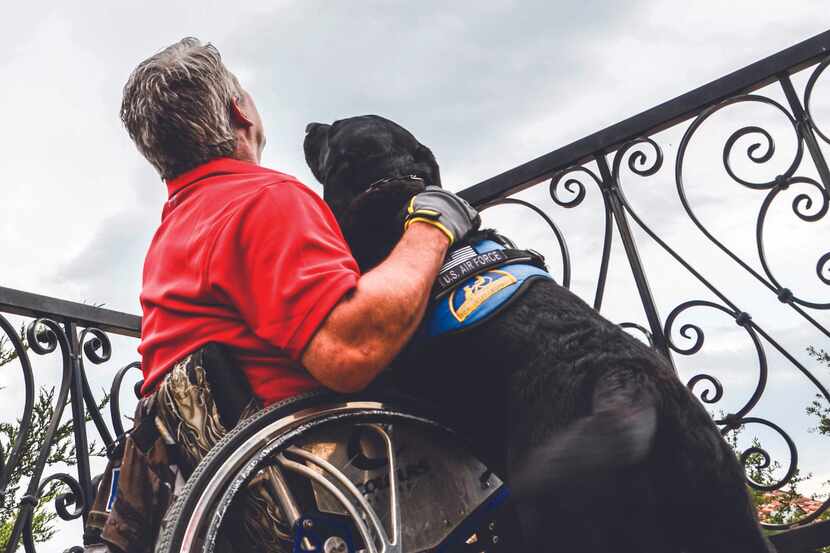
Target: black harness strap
point(464, 262)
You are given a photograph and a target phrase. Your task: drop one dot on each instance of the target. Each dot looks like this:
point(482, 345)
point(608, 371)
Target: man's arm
point(370, 326)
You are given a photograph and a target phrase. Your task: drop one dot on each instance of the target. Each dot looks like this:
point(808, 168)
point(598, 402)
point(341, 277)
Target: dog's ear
point(316, 148)
point(428, 164)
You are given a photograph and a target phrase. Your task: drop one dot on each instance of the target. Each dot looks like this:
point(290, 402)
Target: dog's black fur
point(606, 449)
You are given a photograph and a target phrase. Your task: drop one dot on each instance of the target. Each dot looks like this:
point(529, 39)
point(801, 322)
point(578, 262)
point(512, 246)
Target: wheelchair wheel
point(344, 475)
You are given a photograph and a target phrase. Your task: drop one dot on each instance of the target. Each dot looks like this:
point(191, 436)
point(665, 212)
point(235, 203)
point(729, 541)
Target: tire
point(170, 538)
point(212, 475)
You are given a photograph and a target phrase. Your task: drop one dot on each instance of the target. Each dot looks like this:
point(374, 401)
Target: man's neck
point(246, 148)
point(245, 154)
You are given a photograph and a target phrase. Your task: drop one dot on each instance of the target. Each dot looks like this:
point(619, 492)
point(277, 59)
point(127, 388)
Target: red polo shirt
point(246, 257)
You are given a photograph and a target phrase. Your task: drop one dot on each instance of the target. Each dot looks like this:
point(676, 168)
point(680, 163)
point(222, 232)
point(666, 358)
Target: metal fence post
point(76, 395)
point(806, 130)
point(611, 187)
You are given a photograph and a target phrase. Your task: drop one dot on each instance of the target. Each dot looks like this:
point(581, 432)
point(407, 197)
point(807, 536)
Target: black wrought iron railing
point(633, 148)
point(75, 332)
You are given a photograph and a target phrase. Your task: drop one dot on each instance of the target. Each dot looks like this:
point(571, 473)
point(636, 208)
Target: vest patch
point(475, 298)
point(482, 288)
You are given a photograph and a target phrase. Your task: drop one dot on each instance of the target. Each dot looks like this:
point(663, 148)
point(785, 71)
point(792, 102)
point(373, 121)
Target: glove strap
point(427, 216)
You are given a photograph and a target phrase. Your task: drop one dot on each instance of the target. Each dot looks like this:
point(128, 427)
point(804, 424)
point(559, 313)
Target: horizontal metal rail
point(804, 539)
point(663, 116)
point(28, 304)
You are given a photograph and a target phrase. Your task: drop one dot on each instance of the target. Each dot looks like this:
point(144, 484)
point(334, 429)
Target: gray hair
point(177, 107)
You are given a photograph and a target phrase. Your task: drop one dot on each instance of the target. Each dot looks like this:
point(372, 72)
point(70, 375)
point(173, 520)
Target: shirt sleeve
point(282, 261)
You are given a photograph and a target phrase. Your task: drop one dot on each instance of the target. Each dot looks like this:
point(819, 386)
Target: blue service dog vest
point(466, 301)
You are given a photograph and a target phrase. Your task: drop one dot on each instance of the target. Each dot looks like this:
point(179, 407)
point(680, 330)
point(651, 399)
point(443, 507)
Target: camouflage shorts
point(187, 415)
point(174, 428)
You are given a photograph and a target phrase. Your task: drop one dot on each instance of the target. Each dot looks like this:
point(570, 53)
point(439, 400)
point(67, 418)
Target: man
point(251, 259)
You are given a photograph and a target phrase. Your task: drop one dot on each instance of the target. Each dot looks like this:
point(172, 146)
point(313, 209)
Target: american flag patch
point(457, 257)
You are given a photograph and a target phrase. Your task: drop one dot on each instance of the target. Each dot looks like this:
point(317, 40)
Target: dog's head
point(351, 155)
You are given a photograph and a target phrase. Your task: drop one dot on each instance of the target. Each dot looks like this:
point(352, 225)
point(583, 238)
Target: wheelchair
point(363, 474)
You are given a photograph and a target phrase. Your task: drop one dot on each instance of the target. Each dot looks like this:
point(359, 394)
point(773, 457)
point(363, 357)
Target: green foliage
point(788, 504)
point(61, 452)
point(7, 351)
point(819, 407)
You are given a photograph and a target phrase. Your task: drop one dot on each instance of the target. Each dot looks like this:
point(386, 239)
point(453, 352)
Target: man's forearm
point(404, 281)
point(366, 330)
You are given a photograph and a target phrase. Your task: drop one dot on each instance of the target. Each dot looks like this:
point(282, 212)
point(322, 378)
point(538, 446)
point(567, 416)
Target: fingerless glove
point(453, 215)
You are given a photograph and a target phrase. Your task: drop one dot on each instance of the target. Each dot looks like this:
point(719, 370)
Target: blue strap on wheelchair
point(476, 281)
point(478, 522)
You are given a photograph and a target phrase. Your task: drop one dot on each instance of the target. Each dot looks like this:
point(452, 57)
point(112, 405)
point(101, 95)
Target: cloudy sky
point(487, 85)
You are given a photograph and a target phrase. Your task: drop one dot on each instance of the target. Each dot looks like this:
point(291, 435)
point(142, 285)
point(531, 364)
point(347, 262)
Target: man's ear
point(238, 115)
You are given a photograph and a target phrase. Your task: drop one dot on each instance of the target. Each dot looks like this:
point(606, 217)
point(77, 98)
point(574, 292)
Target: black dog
point(605, 448)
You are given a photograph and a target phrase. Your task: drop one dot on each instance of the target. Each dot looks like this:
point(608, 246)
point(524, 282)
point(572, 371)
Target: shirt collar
point(218, 166)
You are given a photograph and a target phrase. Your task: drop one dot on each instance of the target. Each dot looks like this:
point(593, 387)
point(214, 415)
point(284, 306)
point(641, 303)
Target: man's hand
point(444, 210)
point(370, 326)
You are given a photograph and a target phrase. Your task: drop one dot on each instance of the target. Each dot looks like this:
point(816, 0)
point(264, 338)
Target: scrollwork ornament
point(694, 332)
point(75, 496)
point(767, 152)
point(560, 237)
point(638, 159)
point(8, 463)
point(758, 152)
point(802, 205)
point(757, 457)
point(569, 179)
point(808, 96)
point(686, 330)
point(115, 399)
point(641, 329)
point(572, 184)
point(97, 348)
point(823, 268)
point(809, 206)
point(43, 336)
point(705, 395)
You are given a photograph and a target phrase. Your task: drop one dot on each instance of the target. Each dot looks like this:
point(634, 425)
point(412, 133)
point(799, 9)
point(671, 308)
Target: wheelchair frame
point(192, 522)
